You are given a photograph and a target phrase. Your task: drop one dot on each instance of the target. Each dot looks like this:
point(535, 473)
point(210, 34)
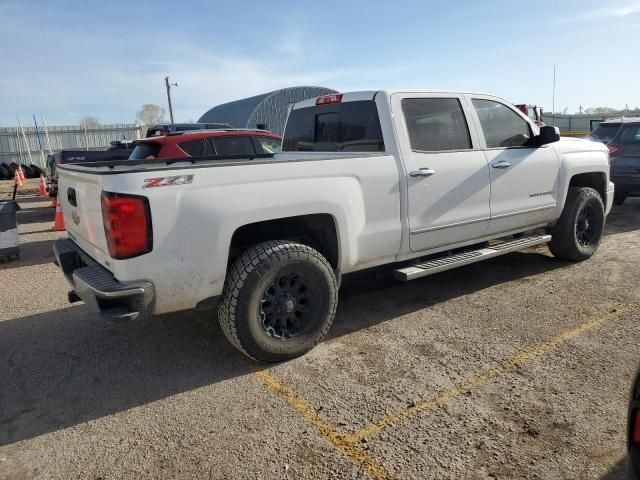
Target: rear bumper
point(97, 287)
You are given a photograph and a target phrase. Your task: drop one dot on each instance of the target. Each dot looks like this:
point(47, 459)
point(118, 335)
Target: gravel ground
point(169, 398)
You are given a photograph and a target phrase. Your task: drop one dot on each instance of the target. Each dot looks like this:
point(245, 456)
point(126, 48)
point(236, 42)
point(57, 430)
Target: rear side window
point(240, 145)
point(145, 151)
point(193, 148)
point(269, 145)
point(502, 127)
point(336, 127)
point(605, 132)
point(630, 135)
point(436, 124)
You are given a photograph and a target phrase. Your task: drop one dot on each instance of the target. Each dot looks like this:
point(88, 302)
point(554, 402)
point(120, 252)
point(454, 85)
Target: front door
point(447, 173)
point(524, 179)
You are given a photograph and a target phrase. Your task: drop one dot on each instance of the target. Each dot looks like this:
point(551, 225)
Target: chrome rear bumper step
point(450, 262)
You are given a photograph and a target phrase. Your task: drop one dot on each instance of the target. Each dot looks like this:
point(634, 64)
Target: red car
point(204, 143)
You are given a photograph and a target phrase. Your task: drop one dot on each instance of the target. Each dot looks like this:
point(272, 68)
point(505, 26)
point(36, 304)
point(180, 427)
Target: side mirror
point(548, 134)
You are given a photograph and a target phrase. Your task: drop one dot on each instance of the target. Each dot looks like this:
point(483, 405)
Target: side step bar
point(465, 258)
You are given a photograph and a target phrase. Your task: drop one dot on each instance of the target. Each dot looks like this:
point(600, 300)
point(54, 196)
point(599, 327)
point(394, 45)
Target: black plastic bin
point(9, 245)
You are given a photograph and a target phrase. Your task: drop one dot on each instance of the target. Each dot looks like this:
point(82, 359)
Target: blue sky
point(68, 59)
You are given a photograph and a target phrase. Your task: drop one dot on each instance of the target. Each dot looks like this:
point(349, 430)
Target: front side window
point(436, 124)
point(502, 127)
point(269, 145)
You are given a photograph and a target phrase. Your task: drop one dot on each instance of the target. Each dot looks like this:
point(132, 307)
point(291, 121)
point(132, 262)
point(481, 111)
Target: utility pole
point(169, 85)
point(553, 101)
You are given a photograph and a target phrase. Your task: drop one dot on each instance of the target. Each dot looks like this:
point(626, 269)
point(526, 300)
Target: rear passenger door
point(524, 178)
point(447, 172)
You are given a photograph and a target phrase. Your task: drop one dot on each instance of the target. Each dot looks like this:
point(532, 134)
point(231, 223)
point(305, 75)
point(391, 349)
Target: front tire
point(577, 234)
point(279, 301)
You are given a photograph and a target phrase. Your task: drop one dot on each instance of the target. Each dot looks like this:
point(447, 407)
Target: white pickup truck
point(428, 181)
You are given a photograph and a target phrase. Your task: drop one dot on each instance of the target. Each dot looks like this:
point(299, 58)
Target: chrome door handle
point(501, 164)
point(422, 172)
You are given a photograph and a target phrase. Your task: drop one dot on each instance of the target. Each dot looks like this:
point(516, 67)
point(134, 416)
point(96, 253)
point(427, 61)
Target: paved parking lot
point(517, 367)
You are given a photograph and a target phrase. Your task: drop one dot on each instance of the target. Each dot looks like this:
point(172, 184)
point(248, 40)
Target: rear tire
point(619, 198)
point(279, 301)
point(578, 232)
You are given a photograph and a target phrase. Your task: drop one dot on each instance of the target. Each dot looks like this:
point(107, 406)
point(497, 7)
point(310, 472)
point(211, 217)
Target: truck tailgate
point(79, 195)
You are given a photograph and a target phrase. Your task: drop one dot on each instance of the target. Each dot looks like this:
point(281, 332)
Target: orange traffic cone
point(42, 188)
point(21, 172)
point(58, 222)
point(17, 181)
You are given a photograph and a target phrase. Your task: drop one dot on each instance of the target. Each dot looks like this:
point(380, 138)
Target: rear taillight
point(613, 149)
point(127, 224)
point(635, 427)
point(325, 99)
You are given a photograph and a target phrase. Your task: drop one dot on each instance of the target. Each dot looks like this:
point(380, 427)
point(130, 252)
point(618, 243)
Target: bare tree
point(151, 114)
point(89, 122)
point(601, 111)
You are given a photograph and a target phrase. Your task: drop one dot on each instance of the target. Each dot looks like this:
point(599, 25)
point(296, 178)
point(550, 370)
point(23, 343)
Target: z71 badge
point(167, 181)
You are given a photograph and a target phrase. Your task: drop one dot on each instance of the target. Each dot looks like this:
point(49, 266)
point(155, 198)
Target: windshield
point(145, 151)
point(605, 132)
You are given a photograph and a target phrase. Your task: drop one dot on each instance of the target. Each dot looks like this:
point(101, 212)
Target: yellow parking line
point(506, 365)
point(338, 440)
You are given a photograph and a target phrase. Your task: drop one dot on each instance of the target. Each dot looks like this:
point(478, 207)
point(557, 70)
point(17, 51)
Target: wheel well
point(595, 180)
point(318, 231)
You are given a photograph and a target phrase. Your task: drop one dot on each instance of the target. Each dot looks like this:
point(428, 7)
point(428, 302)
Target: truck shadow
point(374, 296)
point(624, 218)
point(67, 366)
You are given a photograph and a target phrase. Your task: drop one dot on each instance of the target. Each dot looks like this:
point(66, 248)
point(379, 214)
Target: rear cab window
point(337, 127)
point(145, 151)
